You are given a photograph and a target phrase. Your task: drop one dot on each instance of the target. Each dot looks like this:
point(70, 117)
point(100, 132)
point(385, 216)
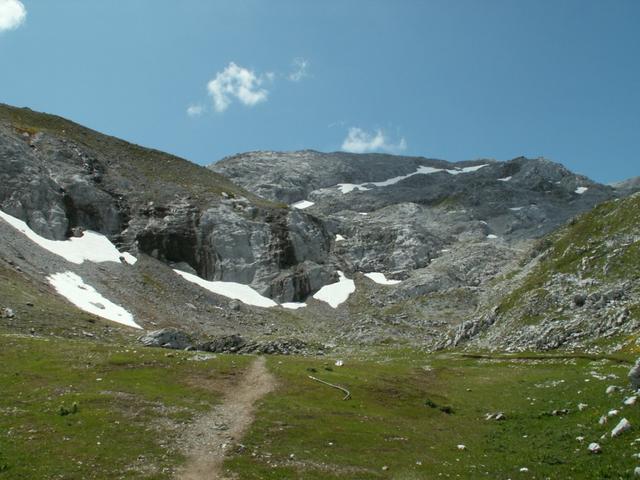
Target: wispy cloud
point(12, 14)
point(237, 83)
point(300, 69)
point(195, 110)
point(361, 141)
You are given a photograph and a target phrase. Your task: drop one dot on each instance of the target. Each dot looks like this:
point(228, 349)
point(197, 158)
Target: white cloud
point(300, 69)
point(236, 82)
point(12, 14)
point(360, 141)
point(195, 110)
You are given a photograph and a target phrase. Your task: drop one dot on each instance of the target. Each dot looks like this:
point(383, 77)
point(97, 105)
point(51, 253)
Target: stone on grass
point(166, 338)
point(603, 420)
point(612, 413)
point(461, 447)
point(611, 389)
point(594, 447)
point(634, 375)
point(636, 472)
point(630, 401)
point(582, 406)
point(623, 426)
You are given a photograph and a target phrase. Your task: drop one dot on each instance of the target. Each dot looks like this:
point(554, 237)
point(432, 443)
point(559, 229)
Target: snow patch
point(85, 297)
point(516, 209)
point(492, 236)
point(505, 179)
point(91, 247)
point(336, 293)
point(350, 187)
point(302, 204)
point(293, 305)
point(234, 290)
point(340, 238)
point(381, 279)
point(581, 190)
point(422, 170)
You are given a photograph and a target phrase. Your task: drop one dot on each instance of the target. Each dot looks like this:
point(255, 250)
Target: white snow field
point(381, 279)
point(85, 297)
point(234, 290)
point(422, 170)
point(91, 247)
point(336, 293)
point(293, 305)
point(302, 204)
point(581, 190)
point(238, 291)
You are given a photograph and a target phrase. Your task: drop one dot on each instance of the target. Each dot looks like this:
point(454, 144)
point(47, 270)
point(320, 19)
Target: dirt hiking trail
point(214, 434)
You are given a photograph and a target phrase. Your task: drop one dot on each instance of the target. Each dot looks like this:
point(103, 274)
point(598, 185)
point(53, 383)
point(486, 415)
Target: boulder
point(634, 374)
point(594, 447)
point(622, 427)
point(167, 338)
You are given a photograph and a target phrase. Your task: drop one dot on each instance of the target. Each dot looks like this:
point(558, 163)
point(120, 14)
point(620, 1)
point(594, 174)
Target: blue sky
point(445, 79)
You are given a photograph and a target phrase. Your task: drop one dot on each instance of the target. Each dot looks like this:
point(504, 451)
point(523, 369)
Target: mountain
point(323, 248)
point(57, 175)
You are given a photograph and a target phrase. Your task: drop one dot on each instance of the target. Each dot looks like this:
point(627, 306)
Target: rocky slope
point(426, 251)
point(57, 175)
point(581, 289)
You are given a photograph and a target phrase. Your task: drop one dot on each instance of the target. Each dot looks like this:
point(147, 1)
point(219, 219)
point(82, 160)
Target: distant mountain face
point(397, 213)
point(328, 247)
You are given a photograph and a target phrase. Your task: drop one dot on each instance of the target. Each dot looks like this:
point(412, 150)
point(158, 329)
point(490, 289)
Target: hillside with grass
point(582, 289)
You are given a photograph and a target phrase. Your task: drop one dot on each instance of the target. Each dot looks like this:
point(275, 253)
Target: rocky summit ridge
point(338, 248)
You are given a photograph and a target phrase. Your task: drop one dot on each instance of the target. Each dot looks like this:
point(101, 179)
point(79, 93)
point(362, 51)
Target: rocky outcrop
point(167, 338)
point(57, 179)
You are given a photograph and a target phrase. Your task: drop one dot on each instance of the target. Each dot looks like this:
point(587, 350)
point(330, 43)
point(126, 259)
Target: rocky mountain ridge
point(417, 250)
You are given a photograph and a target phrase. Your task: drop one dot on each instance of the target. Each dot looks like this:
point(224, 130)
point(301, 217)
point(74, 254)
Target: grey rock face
point(167, 338)
point(518, 199)
point(75, 178)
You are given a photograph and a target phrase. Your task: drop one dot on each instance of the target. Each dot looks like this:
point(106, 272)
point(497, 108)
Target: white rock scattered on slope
point(603, 419)
point(636, 472)
point(462, 447)
point(582, 406)
point(85, 297)
point(91, 247)
point(340, 238)
point(630, 401)
point(381, 279)
point(336, 293)
point(612, 413)
point(594, 447)
point(302, 204)
point(622, 427)
point(611, 389)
